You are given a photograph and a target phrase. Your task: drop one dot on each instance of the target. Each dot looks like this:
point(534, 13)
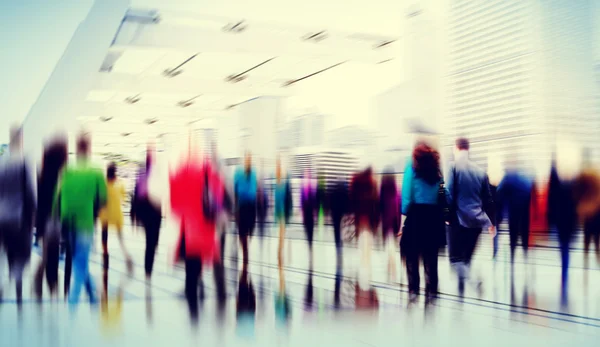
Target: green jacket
point(81, 194)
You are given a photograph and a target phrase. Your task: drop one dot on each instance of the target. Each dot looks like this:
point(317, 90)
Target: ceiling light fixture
point(236, 28)
point(125, 134)
point(242, 75)
point(189, 102)
point(133, 99)
point(150, 121)
point(290, 82)
point(105, 118)
point(316, 37)
point(383, 44)
point(176, 71)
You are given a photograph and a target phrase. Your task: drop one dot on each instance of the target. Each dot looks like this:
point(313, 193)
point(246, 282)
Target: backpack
point(209, 207)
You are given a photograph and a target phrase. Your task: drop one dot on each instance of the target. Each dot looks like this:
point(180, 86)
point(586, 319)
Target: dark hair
point(83, 143)
point(54, 159)
point(426, 163)
point(111, 171)
point(462, 144)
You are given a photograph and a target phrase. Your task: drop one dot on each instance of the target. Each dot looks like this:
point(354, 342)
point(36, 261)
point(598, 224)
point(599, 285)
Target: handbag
point(209, 208)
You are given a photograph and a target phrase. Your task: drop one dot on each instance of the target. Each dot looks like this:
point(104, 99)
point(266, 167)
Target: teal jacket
point(415, 190)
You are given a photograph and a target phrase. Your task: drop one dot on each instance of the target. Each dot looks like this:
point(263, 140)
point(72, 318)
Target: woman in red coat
point(197, 240)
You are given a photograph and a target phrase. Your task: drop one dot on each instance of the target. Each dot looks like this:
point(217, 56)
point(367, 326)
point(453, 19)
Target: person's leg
point(83, 245)
point(152, 236)
point(192, 273)
point(3, 262)
point(430, 263)
point(244, 244)
point(456, 245)
point(472, 236)
point(310, 228)
point(128, 259)
point(105, 256)
point(219, 277)
point(281, 241)
point(39, 272)
point(513, 230)
point(337, 234)
point(525, 234)
point(412, 268)
point(564, 254)
point(68, 244)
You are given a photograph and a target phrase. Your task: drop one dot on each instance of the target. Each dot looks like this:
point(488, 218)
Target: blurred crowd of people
point(440, 210)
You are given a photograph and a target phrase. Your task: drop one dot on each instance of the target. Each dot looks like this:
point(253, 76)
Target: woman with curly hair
point(365, 206)
point(424, 225)
point(390, 217)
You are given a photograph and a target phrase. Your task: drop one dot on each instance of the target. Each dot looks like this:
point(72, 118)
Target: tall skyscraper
point(520, 74)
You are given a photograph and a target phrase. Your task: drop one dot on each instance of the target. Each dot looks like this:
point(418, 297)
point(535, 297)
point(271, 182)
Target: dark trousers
point(337, 233)
point(105, 247)
point(422, 242)
point(193, 280)
point(152, 229)
point(68, 263)
point(246, 221)
point(461, 244)
point(591, 233)
point(518, 225)
point(309, 229)
point(564, 242)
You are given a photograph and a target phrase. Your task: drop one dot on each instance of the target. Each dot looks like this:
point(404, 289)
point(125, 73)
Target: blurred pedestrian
point(112, 215)
point(562, 204)
point(245, 189)
point(53, 161)
point(17, 211)
point(146, 209)
point(82, 194)
point(339, 207)
point(365, 202)
point(472, 210)
point(514, 195)
point(424, 231)
point(390, 218)
point(196, 193)
point(283, 206)
point(587, 196)
point(310, 208)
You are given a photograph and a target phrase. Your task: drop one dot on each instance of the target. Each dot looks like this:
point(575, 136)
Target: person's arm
point(407, 187)
point(30, 194)
point(488, 201)
point(500, 201)
point(450, 184)
point(102, 193)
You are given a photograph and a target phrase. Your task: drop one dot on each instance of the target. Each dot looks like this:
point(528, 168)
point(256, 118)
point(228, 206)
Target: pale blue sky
point(34, 34)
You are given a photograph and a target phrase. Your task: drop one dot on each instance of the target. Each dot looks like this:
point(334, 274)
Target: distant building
point(520, 74)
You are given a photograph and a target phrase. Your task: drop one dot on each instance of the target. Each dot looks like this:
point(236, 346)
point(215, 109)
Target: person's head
point(83, 145)
point(278, 168)
point(248, 161)
point(16, 138)
point(462, 145)
point(55, 156)
point(426, 163)
point(111, 172)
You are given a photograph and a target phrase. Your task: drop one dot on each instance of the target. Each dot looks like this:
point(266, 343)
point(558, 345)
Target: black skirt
point(424, 225)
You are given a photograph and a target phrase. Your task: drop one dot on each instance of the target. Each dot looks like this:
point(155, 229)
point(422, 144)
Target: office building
point(520, 74)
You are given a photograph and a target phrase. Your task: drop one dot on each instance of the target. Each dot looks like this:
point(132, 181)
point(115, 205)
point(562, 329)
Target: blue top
point(415, 190)
point(245, 185)
point(280, 191)
point(513, 194)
